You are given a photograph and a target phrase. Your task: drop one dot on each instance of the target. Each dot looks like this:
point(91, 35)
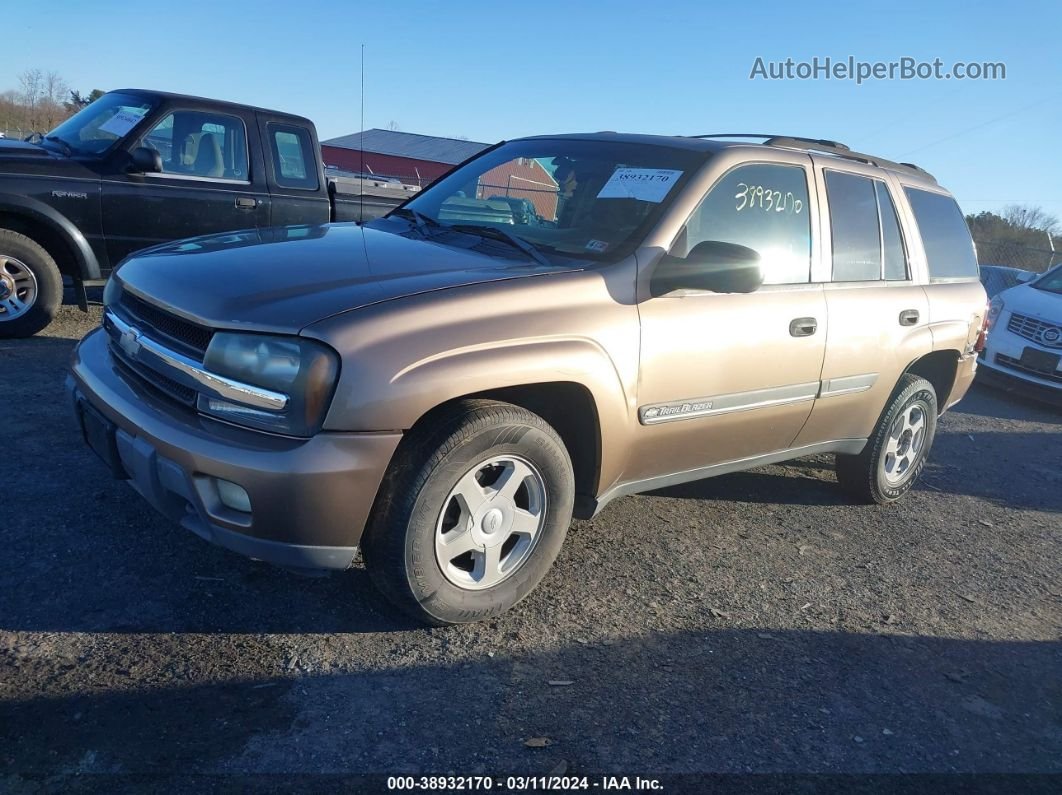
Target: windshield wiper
point(507, 237)
point(420, 220)
point(68, 150)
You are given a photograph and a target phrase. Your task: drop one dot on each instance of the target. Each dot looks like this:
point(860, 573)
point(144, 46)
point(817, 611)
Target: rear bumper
point(964, 377)
point(309, 498)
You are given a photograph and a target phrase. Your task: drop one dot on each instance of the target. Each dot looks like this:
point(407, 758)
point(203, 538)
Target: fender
point(87, 265)
point(398, 399)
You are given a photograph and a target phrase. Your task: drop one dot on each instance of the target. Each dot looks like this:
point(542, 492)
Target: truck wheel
point(472, 513)
point(896, 452)
point(31, 288)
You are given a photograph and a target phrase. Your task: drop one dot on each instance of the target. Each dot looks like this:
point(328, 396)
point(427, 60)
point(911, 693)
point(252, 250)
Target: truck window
point(945, 236)
point(200, 144)
point(764, 207)
point(294, 165)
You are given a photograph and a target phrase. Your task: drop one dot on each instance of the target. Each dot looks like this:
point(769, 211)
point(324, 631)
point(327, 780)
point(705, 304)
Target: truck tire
point(472, 513)
point(31, 288)
point(897, 450)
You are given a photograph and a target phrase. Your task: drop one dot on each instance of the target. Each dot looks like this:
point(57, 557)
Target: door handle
point(803, 327)
point(246, 203)
point(909, 317)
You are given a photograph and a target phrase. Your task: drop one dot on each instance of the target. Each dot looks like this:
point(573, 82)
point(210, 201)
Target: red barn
point(415, 159)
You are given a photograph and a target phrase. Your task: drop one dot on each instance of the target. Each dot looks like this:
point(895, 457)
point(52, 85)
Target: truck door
point(728, 376)
point(210, 182)
point(294, 171)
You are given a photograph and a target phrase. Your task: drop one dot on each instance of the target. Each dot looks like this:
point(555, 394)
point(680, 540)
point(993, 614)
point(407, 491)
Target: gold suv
point(558, 322)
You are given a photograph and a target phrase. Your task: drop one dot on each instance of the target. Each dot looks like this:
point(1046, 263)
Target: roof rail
point(826, 146)
point(768, 138)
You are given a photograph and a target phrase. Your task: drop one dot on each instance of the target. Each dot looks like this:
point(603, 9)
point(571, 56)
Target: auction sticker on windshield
point(646, 184)
point(123, 121)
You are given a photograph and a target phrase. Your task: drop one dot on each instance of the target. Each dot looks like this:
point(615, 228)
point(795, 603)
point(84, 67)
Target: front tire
point(31, 287)
point(472, 513)
point(896, 452)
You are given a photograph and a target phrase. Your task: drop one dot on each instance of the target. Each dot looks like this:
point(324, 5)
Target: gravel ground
point(757, 622)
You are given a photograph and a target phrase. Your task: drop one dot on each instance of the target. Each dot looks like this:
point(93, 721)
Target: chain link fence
point(1016, 255)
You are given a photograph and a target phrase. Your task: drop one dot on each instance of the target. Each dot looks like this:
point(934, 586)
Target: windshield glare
point(95, 129)
point(1050, 281)
point(585, 199)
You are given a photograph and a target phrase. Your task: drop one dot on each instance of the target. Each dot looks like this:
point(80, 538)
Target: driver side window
point(197, 144)
point(764, 207)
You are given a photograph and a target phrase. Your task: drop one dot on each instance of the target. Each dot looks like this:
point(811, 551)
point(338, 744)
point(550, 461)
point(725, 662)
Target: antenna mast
point(361, 143)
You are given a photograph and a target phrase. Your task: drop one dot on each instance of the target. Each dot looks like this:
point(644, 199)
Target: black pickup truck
point(137, 168)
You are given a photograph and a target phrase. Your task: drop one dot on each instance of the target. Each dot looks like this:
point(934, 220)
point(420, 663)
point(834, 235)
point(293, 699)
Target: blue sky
point(491, 70)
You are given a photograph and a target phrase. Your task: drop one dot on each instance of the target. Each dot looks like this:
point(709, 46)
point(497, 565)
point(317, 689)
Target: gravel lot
point(756, 622)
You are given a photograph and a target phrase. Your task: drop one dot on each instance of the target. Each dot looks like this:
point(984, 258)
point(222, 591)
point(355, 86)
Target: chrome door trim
point(848, 385)
point(725, 404)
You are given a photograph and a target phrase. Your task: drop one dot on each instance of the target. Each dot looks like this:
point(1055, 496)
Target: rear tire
point(31, 288)
point(472, 513)
point(896, 452)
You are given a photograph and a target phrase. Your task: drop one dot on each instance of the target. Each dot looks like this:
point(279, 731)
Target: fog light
point(233, 496)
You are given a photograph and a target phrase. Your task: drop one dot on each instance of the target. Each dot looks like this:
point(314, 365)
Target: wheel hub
point(490, 522)
point(905, 446)
point(18, 288)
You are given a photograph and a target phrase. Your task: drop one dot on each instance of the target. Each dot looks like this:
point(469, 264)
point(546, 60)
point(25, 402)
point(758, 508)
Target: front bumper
point(1002, 363)
point(309, 498)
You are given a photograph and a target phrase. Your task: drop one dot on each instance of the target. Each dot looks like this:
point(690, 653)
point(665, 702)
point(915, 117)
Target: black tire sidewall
point(49, 285)
point(437, 596)
point(919, 391)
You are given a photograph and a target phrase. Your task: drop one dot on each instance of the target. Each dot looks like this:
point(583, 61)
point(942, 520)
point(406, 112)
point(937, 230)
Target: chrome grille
point(1034, 329)
point(1015, 364)
point(156, 381)
point(165, 326)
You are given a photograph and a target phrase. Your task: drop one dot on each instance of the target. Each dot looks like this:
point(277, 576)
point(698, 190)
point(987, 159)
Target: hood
point(284, 279)
point(1027, 300)
point(10, 149)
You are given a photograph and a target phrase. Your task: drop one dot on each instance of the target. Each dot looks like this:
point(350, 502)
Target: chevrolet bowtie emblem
point(130, 342)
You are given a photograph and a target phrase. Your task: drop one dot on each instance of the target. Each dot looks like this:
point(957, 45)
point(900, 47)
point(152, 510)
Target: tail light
point(992, 310)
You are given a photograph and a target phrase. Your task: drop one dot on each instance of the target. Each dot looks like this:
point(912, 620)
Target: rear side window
point(893, 255)
point(294, 165)
point(855, 227)
point(867, 241)
point(945, 236)
point(764, 207)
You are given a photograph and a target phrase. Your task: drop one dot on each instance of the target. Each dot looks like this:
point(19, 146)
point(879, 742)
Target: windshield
point(96, 128)
point(578, 198)
point(1051, 281)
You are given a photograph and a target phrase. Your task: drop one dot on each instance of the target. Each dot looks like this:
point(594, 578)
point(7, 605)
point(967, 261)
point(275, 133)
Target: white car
point(1024, 347)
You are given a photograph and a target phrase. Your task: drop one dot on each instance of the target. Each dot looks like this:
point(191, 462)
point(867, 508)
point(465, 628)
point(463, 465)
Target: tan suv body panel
point(772, 396)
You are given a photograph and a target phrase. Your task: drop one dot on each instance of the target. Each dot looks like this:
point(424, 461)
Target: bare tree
point(55, 88)
point(393, 126)
point(31, 82)
point(1024, 216)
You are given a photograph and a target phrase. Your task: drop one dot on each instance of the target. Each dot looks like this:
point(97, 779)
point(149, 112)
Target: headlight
point(304, 370)
point(112, 291)
point(995, 309)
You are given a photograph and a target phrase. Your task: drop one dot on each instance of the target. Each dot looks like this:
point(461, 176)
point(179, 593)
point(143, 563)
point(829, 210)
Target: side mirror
point(710, 265)
point(146, 160)
point(1026, 277)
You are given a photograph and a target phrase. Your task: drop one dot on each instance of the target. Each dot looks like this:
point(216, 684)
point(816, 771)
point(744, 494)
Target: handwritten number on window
point(758, 197)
